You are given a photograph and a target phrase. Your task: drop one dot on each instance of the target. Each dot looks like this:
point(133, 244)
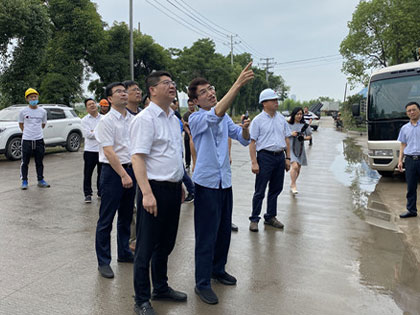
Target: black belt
point(127, 165)
point(272, 152)
point(165, 183)
point(413, 157)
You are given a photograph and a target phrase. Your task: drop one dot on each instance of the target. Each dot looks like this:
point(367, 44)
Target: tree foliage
point(381, 33)
point(77, 33)
point(56, 45)
point(24, 34)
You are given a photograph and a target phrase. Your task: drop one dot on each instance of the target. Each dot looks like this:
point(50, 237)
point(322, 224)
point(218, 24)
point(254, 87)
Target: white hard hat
point(268, 94)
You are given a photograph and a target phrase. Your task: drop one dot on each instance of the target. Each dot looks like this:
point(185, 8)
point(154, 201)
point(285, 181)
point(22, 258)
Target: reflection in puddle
point(385, 265)
point(352, 170)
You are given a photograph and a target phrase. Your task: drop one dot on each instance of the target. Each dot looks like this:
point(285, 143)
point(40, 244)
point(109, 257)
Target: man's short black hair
point(129, 83)
point(412, 103)
point(192, 88)
point(87, 100)
point(154, 78)
point(109, 87)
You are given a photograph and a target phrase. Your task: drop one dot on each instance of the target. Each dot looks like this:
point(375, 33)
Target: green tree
point(381, 33)
point(24, 34)
point(77, 32)
point(112, 62)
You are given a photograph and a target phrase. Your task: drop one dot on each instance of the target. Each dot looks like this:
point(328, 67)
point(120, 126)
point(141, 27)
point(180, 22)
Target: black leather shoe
point(234, 228)
point(408, 214)
point(207, 296)
point(225, 278)
point(171, 294)
point(106, 271)
point(129, 259)
point(144, 309)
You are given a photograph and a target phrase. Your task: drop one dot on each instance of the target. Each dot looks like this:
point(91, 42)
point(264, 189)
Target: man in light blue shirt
point(270, 134)
point(210, 128)
point(410, 148)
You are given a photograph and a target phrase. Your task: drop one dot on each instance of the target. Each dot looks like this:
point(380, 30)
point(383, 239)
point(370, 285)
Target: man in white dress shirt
point(117, 180)
point(156, 145)
point(91, 149)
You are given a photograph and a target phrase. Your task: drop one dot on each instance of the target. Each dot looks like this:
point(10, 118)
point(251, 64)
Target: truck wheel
point(73, 142)
point(14, 149)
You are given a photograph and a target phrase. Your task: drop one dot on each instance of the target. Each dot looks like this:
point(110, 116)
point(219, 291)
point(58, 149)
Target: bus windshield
point(387, 98)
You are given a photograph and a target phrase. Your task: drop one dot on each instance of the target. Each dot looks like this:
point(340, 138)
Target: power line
point(202, 21)
point(310, 66)
point(308, 59)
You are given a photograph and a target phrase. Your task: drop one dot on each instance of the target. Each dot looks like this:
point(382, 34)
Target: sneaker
point(253, 226)
point(274, 223)
point(189, 199)
point(24, 185)
point(42, 183)
point(88, 199)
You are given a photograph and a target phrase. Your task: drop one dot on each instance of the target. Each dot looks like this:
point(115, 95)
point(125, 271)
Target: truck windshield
point(387, 98)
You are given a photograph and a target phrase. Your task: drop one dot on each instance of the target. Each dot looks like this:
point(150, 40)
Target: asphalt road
point(328, 259)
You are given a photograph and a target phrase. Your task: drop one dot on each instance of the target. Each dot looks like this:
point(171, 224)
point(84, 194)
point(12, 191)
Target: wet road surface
point(328, 259)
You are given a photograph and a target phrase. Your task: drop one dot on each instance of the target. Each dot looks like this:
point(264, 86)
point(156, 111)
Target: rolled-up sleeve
point(235, 132)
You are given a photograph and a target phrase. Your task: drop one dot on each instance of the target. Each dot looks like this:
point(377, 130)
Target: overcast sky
point(283, 30)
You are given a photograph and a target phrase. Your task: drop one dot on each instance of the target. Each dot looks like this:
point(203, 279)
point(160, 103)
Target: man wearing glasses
point(156, 152)
point(210, 128)
point(117, 182)
point(134, 97)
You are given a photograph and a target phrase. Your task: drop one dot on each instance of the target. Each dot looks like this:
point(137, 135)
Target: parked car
point(315, 121)
point(63, 128)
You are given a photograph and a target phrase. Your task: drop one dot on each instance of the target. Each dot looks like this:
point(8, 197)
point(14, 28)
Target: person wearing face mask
point(32, 120)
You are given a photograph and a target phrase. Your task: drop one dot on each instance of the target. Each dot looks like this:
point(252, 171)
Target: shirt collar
point(157, 110)
point(118, 115)
point(268, 115)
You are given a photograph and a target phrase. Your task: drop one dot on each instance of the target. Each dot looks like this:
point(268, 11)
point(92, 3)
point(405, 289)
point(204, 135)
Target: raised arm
point(223, 105)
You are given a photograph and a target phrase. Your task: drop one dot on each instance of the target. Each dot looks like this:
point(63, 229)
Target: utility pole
point(231, 47)
point(131, 42)
point(269, 63)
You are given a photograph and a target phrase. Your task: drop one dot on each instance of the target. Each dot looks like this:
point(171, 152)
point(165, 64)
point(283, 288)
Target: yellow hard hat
point(30, 91)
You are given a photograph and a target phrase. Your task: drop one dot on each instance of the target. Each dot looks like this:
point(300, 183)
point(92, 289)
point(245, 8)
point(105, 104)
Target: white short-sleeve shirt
point(32, 119)
point(89, 124)
point(158, 137)
point(269, 133)
point(112, 130)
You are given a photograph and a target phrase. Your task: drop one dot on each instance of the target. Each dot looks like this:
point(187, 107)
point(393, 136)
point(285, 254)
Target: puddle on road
point(350, 168)
point(385, 265)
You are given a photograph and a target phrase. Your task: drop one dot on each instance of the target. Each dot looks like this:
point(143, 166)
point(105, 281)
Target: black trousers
point(37, 148)
point(156, 238)
point(91, 161)
point(187, 150)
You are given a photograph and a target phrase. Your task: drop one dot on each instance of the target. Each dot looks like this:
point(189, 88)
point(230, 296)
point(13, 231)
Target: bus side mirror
point(355, 110)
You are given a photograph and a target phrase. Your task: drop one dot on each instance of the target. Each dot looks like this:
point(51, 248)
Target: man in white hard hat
point(32, 120)
point(270, 157)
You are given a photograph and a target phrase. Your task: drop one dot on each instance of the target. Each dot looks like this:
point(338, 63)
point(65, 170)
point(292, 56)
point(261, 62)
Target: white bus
point(390, 89)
